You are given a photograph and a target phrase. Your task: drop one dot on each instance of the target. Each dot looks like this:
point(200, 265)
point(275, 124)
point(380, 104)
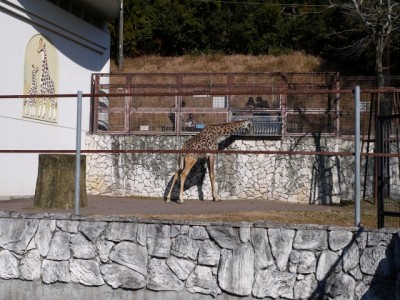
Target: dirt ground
point(196, 210)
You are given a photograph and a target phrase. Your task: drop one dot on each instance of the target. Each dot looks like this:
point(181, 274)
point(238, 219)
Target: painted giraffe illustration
point(30, 103)
point(47, 86)
point(205, 140)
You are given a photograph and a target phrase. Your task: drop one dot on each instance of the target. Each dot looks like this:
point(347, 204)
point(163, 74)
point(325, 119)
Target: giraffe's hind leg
point(172, 186)
point(189, 163)
point(176, 176)
point(210, 164)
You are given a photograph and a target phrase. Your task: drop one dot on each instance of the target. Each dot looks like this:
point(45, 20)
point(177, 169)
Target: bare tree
point(377, 21)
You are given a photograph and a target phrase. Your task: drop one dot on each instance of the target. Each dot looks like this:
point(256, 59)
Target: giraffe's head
point(244, 125)
point(42, 45)
point(35, 68)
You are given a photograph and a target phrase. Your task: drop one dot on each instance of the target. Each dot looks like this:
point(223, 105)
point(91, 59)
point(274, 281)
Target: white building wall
point(81, 49)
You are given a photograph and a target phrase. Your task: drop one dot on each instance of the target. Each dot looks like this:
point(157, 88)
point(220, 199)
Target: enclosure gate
point(388, 170)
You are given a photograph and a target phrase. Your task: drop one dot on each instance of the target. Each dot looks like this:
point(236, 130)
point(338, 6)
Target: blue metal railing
point(261, 126)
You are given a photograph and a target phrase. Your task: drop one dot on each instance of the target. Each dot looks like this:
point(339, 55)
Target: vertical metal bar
point(357, 154)
point(127, 112)
point(178, 79)
point(78, 151)
point(284, 115)
point(121, 37)
point(379, 179)
point(337, 107)
point(371, 109)
point(94, 104)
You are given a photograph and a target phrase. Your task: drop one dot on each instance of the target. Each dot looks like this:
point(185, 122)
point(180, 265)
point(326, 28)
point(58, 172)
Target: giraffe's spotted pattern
point(30, 103)
point(47, 86)
point(205, 140)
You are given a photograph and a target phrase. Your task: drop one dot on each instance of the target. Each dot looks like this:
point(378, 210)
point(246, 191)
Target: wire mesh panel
point(197, 101)
point(257, 101)
point(162, 102)
point(311, 123)
point(196, 121)
point(116, 122)
point(388, 171)
point(153, 102)
point(102, 111)
point(110, 111)
point(150, 121)
point(153, 83)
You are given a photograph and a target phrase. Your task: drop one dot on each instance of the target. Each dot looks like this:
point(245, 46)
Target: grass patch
point(212, 63)
point(330, 217)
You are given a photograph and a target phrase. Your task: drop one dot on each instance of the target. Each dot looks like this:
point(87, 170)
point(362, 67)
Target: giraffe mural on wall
point(207, 139)
point(30, 103)
point(47, 86)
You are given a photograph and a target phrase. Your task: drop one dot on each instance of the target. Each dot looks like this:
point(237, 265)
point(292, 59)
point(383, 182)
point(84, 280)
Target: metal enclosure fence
point(278, 104)
point(388, 169)
point(276, 122)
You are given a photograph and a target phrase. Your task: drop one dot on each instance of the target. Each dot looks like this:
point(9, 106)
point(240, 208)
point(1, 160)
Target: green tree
point(176, 27)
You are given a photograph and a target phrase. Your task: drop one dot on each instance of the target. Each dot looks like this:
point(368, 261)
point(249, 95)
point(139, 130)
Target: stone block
point(274, 284)
point(202, 281)
point(8, 265)
point(130, 255)
point(236, 271)
point(15, 234)
point(161, 277)
point(118, 276)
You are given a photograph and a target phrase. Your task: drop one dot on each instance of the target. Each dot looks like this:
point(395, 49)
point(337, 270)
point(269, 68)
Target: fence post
point(357, 154)
point(78, 150)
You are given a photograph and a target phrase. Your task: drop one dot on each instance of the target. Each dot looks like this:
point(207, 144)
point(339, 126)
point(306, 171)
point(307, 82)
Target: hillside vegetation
point(346, 31)
point(295, 62)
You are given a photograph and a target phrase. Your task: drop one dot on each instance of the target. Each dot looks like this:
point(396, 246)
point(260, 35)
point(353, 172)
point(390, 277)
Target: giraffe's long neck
point(228, 127)
point(47, 84)
point(45, 67)
point(34, 83)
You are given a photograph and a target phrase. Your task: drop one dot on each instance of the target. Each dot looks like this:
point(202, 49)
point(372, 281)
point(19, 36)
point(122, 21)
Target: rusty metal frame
point(231, 85)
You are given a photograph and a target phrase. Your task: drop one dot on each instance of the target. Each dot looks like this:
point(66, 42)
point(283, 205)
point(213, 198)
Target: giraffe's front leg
point(50, 111)
point(33, 108)
point(211, 165)
point(26, 106)
point(55, 104)
point(38, 108)
point(42, 108)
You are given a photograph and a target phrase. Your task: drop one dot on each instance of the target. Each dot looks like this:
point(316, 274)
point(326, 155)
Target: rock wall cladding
point(242, 259)
point(292, 178)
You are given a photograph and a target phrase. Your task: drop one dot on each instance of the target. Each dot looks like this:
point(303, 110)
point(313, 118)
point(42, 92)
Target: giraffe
point(207, 139)
point(30, 103)
point(47, 86)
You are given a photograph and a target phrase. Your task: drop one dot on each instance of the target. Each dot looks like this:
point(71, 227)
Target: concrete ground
point(129, 206)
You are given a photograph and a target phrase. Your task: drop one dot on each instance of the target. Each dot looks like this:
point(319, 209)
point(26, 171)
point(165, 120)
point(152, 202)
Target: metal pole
point(121, 36)
point(379, 170)
point(357, 154)
point(78, 151)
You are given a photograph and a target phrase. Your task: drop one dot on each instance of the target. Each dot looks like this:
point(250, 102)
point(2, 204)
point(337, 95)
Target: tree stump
point(55, 185)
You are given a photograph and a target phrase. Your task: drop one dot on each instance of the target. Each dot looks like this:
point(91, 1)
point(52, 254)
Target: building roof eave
point(103, 8)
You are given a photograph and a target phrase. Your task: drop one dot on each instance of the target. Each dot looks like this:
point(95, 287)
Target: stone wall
point(292, 178)
point(225, 261)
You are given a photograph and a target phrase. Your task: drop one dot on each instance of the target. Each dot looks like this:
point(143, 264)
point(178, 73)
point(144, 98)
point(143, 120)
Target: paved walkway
point(128, 206)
